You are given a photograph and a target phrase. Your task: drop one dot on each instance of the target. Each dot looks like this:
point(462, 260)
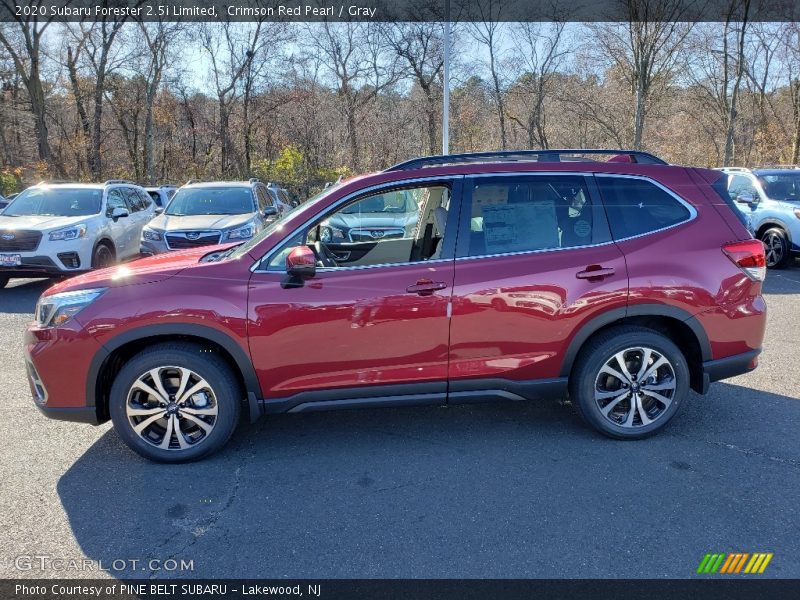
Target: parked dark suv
point(622, 283)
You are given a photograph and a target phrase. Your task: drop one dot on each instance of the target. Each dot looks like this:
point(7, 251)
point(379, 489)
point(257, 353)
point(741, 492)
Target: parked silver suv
point(204, 214)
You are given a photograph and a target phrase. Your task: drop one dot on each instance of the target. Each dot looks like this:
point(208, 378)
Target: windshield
point(307, 206)
point(212, 201)
point(783, 186)
point(391, 202)
point(55, 202)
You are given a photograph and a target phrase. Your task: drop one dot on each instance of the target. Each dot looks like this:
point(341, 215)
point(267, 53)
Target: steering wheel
point(324, 255)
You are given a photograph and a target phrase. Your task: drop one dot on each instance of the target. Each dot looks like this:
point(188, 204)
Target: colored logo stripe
point(734, 562)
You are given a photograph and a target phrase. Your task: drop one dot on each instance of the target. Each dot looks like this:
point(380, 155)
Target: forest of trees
point(304, 103)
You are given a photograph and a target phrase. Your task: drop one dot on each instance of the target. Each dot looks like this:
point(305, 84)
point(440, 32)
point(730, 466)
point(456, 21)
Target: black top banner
point(402, 10)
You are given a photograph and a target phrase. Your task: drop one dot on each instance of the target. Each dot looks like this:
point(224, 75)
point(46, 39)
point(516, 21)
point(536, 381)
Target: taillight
point(749, 257)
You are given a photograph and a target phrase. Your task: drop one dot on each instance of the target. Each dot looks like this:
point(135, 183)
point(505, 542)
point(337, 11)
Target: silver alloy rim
point(774, 248)
point(635, 387)
point(172, 408)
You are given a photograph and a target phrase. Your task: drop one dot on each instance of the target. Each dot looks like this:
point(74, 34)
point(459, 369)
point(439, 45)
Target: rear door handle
point(595, 272)
point(426, 287)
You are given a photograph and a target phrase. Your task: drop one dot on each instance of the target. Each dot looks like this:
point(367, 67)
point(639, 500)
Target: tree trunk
point(36, 93)
point(95, 160)
point(430, 110)
point(83, 116)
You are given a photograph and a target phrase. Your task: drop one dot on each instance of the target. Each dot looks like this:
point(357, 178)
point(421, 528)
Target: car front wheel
point(175, 402)
point(629, 382)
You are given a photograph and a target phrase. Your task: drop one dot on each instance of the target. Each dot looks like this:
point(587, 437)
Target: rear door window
point(526, 214)
point(637, 206)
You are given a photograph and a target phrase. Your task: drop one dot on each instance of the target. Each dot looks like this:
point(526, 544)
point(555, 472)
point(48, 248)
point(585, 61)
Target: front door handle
point(426, 287)
point(595, 273)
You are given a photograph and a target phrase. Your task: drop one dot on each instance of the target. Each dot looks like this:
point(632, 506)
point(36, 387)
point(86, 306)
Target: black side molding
point(730, 366)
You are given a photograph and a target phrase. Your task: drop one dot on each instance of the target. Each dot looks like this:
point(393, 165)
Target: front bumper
point(52, 258)
point(57, 361)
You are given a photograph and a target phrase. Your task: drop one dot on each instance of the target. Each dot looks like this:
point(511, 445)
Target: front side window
point(740, 184)
point(525, 214)
point(637, 206)
point(115, 200)
point(56, 202)
point(133, 199)
point(211, 201)
point(392, 227)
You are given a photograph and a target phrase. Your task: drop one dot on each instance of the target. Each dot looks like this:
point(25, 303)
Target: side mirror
point(270, 211)
point(746, 198)
point(159, 210)
point(302, 263)
point(119, 213)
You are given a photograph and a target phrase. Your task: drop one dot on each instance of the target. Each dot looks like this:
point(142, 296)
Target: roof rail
point(779, 167)
point(635, 156)
point(735, 169)
point(255, 180)
point(110, 181)
point(191, 181)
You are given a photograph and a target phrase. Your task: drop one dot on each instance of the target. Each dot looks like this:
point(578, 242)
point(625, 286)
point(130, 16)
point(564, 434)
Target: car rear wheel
point(776, 246)
point(629, 382)
point(175, 402)
point(102, 257)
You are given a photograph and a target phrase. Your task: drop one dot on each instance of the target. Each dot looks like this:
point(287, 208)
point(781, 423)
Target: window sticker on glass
point(511, 227)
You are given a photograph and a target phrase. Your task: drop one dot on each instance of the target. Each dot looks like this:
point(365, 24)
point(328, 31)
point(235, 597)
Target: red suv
point(622, 283)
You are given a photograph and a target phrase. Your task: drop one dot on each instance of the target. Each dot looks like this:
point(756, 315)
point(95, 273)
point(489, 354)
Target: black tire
point(226, 396)
point(587, 379)
point(4, 279)
point(103, 256)
point(776, 245)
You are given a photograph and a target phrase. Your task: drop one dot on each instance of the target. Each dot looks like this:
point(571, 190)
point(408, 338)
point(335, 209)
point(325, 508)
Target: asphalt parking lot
point(503, 490)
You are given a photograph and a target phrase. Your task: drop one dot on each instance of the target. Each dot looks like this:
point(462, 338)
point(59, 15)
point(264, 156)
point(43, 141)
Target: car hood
point(40, 222)
point(198, 222)
point(145, 270)
point(367, 220)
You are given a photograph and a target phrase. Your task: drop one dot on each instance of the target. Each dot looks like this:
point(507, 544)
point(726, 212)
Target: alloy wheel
point(172, 408)
point(635, 387)
point(773, 244)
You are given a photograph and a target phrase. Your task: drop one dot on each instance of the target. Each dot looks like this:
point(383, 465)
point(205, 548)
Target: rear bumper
point(730, 366)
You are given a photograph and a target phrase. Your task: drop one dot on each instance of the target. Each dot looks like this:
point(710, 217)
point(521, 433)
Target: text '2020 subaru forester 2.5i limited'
point(622, 283)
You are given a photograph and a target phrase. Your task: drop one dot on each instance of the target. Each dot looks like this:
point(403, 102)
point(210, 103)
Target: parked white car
point(65, 228)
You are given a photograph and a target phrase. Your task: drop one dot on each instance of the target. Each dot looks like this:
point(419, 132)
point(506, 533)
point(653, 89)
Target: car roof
point(776, 171)
point(220, 184)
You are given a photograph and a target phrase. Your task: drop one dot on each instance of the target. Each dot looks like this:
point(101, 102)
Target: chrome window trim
point(379, 186)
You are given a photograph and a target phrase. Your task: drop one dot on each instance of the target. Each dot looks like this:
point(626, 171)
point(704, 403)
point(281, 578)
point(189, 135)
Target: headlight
point(797, 212)
point(55, 310)
point(151, 235)
point(69, 233)
point(330, 234)
point(242, 233)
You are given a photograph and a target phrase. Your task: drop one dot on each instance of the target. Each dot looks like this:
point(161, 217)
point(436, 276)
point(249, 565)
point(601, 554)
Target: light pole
point(446, 107)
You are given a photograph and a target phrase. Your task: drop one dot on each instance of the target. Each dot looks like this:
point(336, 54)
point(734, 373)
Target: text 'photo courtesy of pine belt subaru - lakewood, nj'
point(606, 276)
point(55, 229)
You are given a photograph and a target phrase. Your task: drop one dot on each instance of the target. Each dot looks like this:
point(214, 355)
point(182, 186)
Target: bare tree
point(488, 31)
point(158, 37)
point(540, 53)
point(420, 46)
point(353, 54)
point(232, 48)
point(645, 50)
point(22, 39)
